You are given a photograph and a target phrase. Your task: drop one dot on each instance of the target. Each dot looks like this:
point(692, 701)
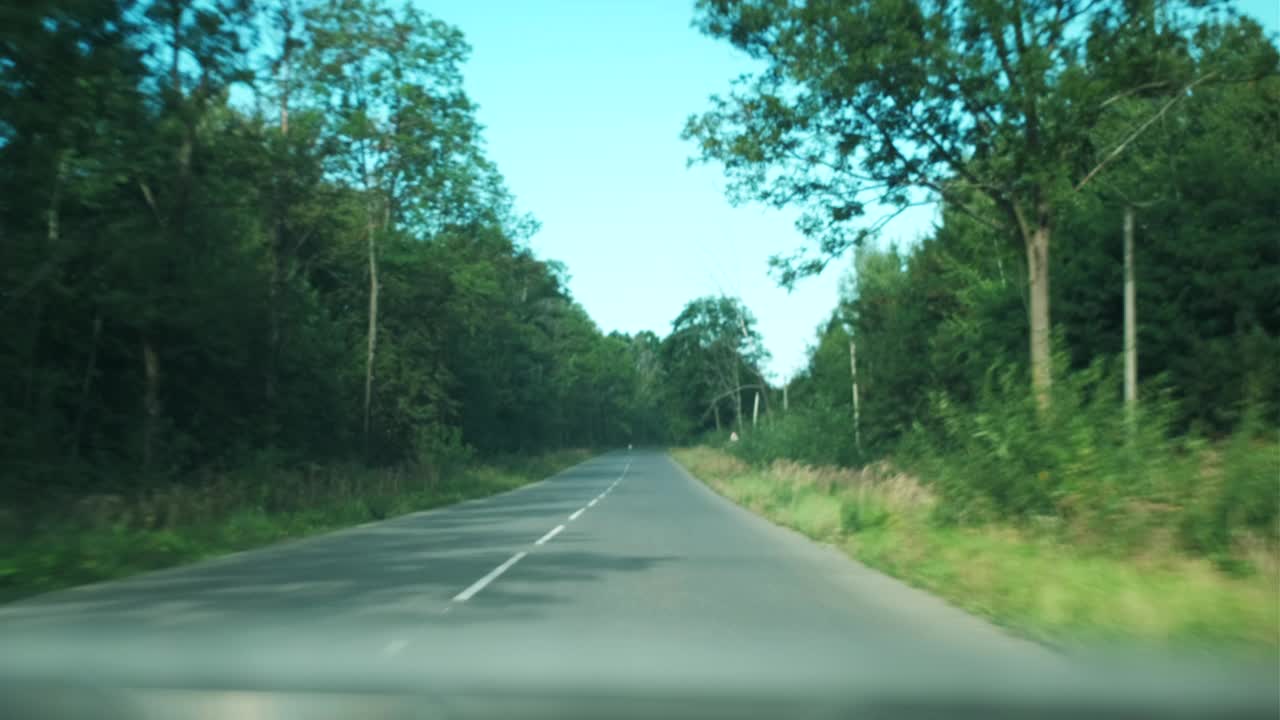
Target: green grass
point(109, 537)
point(1031, 582)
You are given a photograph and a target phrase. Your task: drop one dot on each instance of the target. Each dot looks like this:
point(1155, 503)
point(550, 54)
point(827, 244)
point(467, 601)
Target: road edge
point(288, 543)
point(854, 576)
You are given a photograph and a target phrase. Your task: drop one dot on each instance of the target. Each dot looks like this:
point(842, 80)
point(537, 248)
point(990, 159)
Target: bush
point(861, 511)
point(439, 451)
point(814, 435)
point(1085, 468)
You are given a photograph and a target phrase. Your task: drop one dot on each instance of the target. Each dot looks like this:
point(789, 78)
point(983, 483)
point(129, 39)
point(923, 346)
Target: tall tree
point(887, 103)
point(391, 87)
point(714, 354)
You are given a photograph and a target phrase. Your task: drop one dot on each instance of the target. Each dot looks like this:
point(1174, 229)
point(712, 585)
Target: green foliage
point(846, 115)
point(1239, 497)
point(186, 272)
point(862, 511)
point(815, 434)
point(713, 361)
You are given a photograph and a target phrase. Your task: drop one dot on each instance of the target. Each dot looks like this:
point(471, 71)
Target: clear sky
point(583, 103)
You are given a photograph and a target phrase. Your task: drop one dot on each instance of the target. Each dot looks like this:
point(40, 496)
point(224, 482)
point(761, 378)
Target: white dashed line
point(398, 645)
point(554, 531)
point(480, 584)
point(394, 647)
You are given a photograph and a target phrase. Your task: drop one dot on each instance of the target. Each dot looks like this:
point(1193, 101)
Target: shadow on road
point(403, 569)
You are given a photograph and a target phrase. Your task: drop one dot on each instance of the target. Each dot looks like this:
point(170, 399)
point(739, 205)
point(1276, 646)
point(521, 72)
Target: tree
point(391, 87)
point(887, 103)
point(713, 354)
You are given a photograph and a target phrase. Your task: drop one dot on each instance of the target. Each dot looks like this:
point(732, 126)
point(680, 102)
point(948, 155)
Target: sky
point(583, 102)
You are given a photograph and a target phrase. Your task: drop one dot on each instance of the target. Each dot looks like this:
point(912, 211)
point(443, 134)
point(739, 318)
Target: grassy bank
point(1037, 582)
point(100, 537)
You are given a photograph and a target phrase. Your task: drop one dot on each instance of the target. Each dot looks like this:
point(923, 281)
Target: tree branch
point(1141, 128)
point(1133, 91)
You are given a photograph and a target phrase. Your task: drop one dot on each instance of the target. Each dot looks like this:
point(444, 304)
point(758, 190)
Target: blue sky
point(583, 102)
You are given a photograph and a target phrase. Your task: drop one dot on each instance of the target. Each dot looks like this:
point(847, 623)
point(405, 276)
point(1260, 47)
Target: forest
point(234, 228)
point(260, 245)
point(256, 263)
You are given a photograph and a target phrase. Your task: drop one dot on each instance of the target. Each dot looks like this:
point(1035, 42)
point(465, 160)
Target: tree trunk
point(785, 404)
point(1130, 320)
point(716, 407)
point(53, 236)
point(150, 401)
point(284, 85)
point(857, 410)
point(1038, 288)
point(737, 398)
point(90, 368)
point(277, 237)
point(755, 410)
point(372, 332)
point(53, 229)
point(273, 317)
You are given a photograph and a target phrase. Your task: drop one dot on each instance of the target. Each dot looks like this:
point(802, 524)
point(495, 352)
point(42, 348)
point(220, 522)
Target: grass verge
point(1031, 582)
point(110, 536)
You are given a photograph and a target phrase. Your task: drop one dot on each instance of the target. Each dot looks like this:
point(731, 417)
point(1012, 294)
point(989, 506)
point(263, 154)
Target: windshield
point(715, 356)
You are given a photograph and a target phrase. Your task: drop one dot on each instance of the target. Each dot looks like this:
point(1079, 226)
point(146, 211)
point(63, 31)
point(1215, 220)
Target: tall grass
point(76, 540)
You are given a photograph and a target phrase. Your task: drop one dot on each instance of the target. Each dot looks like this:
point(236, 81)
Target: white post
point(755, 409)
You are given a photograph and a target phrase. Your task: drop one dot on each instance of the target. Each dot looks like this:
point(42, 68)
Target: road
point(622, 574)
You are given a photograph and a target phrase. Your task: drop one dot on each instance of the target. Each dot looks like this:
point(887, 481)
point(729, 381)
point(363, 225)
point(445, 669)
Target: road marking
point(594, 500)
point(480, 584)
point(554, 531)
point(394, 647)
point(579, 512)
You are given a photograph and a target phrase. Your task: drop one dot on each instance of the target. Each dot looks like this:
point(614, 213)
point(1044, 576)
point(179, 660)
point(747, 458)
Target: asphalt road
point(622, 576)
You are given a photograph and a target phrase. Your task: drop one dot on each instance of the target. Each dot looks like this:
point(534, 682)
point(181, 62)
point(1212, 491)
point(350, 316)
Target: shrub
point(1087, 469)
point(820, 435)
point(860, 510)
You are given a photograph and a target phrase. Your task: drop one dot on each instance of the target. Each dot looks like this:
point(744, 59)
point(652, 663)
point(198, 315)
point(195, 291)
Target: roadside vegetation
point(1059, 406)
point(100, 537)
point(1067, 586)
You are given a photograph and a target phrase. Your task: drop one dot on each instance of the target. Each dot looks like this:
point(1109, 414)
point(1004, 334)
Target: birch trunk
point(1038, 289)
point(372, 331)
